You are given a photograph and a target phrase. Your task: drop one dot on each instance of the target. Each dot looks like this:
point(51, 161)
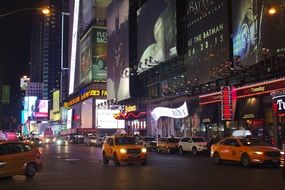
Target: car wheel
point(216, 158)
point(245, 160)
point(31, 170)
point(194, 151)
point(180, 150)
point(116, 161)
point(105, 160)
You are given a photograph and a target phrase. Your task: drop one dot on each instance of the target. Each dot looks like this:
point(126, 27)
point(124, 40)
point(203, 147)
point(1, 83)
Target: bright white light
point(144, 150)
point(123, 151)
point(73, 46)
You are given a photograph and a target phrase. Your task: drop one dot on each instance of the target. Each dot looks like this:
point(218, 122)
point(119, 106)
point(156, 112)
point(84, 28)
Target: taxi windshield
point(252, 142)
point(125, 140)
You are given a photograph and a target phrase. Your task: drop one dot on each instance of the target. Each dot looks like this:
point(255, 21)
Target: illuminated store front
point(252, 110)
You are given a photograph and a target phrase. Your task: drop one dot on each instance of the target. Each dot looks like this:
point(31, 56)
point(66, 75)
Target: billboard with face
point(256, 33)
point(118, 50)
point(207, 37)
point(99, 53)
point(156, 33)
point(41, 109)
point(86, 60)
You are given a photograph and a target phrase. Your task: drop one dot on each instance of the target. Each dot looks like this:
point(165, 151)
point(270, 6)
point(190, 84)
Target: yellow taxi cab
point(246, 150)
point(122, 148)
point(168, 145)
point(19, 158)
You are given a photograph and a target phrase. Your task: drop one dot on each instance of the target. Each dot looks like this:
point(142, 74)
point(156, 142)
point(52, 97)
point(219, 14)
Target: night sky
point(15, 37)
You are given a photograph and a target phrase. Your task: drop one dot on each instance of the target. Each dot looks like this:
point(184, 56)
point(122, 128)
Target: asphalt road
point(77, 167)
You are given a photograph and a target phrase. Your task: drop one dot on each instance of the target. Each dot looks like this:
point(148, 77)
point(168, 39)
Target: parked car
point(98, 142)
point(149, 142)
point(19, 158)
point(192, 144)
point(167, 145)
point(121, 148)
point(246, 150)
point(89, 140)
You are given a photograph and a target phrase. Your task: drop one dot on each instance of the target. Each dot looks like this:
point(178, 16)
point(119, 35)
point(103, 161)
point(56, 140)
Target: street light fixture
point(44, 10)
point(272, 11)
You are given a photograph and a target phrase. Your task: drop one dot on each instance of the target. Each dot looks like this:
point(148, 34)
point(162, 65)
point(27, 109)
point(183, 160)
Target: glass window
point(185, 140)
point(173, 140)
point(27, 147)
point(198, 139)
point(125, 140)
point(15, 148)
point(252, 142)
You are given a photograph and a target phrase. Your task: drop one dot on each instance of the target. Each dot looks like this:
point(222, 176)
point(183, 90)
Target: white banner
point(180, 112)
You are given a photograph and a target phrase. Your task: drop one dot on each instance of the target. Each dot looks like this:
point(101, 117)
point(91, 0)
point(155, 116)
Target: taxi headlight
point(258, 153)
point(282, 152)
point(58, 142)
point(144, 150)
point(123, 151)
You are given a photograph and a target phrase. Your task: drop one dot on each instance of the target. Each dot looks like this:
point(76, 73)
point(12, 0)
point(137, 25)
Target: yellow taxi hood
point(130, 146)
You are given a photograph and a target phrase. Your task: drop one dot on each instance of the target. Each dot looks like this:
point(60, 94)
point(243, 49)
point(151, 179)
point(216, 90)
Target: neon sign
point(226, 103)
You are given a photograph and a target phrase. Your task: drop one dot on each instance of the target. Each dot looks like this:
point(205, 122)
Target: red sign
point(226, 103)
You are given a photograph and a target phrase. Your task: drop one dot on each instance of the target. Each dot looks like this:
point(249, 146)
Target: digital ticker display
point(207, 37)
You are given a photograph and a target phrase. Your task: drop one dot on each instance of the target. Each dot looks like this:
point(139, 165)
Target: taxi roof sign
point(241, 133)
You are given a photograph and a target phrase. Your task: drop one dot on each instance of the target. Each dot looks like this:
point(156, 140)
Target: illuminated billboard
point(256, 33)
point(105, 117)
point(86, 60)
point(24, 81)
point(74, 40)
point(29, 105)
point(55, 101)
point(207, 37)
point(118, 86)
point(5, 94)
point(156, 33)
point(99, 54)
point(41, 109)
point(69, 119)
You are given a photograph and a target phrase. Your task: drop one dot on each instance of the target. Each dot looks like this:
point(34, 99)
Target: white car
point(192, 144)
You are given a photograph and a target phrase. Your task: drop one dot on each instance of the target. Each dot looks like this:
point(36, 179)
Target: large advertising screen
point(207, 37)
point(41, 109)
point(29, 105)
point(156, 33)
point(86, 60)
point(69, 119)
point(256, 33)
point(99, 53)
point(24, 81)
point(105, 117)
point(55, 101)
point(118, 50)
